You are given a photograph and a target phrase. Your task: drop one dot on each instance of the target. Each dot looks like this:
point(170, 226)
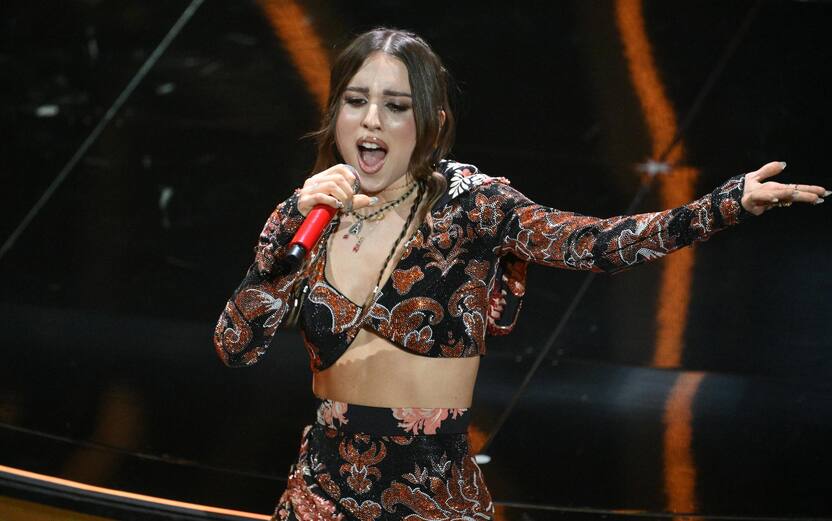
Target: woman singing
point(410, 277)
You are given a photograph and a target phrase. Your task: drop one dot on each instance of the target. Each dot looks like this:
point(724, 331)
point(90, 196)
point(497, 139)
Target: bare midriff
point(373, 371)
point(376, 372)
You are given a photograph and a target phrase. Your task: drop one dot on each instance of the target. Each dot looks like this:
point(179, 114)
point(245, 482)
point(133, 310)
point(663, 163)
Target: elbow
point(235, 360)
point(226, 357)
point(233, 341)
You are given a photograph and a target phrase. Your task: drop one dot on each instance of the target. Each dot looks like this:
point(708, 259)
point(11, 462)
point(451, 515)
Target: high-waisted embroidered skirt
point(377, 463)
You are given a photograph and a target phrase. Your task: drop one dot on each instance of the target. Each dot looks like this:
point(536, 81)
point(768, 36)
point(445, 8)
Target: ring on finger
point(356, 182)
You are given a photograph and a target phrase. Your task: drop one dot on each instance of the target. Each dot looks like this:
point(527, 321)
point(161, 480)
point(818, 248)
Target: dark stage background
point(701, 383)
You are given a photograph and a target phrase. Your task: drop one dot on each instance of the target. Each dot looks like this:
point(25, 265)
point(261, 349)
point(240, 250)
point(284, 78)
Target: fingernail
point(819, 201)
point(827, 193)
point(783, 164)
point(373, 200)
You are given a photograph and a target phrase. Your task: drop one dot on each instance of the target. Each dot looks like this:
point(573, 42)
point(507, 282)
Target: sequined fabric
point(342, 474)
point(440, 299)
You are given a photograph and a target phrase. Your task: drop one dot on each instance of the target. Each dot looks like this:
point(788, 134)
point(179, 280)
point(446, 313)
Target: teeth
point(371, 146)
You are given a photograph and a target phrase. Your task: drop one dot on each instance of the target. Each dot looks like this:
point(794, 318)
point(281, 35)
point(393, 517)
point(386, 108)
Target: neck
point(395, 189)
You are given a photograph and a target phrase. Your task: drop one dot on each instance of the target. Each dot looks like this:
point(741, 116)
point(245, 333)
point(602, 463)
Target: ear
point(442, 118)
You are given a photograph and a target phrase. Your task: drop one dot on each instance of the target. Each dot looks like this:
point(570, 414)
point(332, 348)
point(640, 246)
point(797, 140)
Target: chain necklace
point(375, 215)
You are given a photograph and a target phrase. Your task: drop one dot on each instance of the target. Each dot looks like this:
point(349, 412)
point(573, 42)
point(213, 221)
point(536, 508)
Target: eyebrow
point(386, 92)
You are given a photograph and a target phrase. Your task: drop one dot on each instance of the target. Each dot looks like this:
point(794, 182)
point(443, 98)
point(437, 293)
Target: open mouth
point(371, 154)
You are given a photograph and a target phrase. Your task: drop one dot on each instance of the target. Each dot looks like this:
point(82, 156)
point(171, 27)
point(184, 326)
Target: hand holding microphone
point(322, 195)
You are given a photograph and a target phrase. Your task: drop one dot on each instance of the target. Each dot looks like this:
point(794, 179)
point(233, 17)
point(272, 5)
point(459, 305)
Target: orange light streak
point(675, 189)
point(656, 107)
point(476, 438)
point(128, 495)
point(500, 513)
point(681, 475)
point(292, 27)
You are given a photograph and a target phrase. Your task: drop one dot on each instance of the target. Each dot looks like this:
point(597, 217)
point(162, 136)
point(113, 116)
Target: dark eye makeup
point(355, 101)
point(397, 107)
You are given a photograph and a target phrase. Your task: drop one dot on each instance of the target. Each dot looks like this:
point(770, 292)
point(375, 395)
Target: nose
point(371, 120)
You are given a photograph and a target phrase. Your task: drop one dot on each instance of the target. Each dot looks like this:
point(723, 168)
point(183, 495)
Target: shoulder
point(464, 177)
point(465, 181)
point(468, 184)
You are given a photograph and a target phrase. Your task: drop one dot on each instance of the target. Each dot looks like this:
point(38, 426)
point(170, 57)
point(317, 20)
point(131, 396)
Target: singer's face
point(376, 129)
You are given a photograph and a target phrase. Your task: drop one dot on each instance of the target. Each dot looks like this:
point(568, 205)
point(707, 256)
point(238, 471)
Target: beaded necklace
point(375, 215)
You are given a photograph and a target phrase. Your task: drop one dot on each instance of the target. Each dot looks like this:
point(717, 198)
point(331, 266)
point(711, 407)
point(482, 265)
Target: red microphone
point(311, 230)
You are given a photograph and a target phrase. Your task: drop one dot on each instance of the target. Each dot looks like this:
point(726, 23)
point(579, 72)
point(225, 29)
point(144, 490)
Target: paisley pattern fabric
point(454, 270)
point(412, 463)
point(360, 473)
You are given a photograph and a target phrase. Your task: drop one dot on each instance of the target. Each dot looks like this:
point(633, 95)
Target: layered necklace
point(374, 216)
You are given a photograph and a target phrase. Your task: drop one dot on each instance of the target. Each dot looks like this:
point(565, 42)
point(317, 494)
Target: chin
point(372, 185)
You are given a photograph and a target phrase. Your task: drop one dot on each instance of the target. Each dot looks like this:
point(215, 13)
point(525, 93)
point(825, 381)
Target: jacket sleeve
point(260, 303)
point(542, 235)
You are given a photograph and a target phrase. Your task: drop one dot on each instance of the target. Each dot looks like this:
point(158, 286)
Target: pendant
point(357, 244)
point(355, 229)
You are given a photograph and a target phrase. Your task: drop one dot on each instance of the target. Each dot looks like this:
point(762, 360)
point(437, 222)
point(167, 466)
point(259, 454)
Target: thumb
point(360, 201)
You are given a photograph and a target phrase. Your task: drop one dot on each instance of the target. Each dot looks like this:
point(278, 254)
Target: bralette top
point(441, 298)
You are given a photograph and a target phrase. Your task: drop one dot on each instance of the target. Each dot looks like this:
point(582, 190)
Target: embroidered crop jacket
point(439, 298)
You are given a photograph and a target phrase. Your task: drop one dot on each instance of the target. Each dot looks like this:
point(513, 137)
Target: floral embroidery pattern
point(486, 214)
point(405, 323)
point(463, 181)
point(358, 465)
point(437, 303)
point(368, 510)
point(423, 421)
point(304, 503)
point(330, 411)
point(434, 304)
point(403, 280)
point(463, 496)
point(383, 477)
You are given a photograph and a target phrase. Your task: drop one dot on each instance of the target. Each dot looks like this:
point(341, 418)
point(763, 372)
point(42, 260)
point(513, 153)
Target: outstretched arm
point(551, 237)
point(760, 196)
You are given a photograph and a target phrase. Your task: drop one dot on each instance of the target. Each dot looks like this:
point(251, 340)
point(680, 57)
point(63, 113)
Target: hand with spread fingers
point(760, 196)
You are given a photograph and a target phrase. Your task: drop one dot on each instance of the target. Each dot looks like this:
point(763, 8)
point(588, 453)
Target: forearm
point(260, 303)
point(563, 239)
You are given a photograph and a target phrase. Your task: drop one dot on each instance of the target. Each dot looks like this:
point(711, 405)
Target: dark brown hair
point(429, 84)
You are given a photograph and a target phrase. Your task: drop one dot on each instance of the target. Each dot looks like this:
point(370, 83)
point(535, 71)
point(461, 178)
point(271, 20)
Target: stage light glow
point(127, 495)
point(293, 28)
point(676, 188)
